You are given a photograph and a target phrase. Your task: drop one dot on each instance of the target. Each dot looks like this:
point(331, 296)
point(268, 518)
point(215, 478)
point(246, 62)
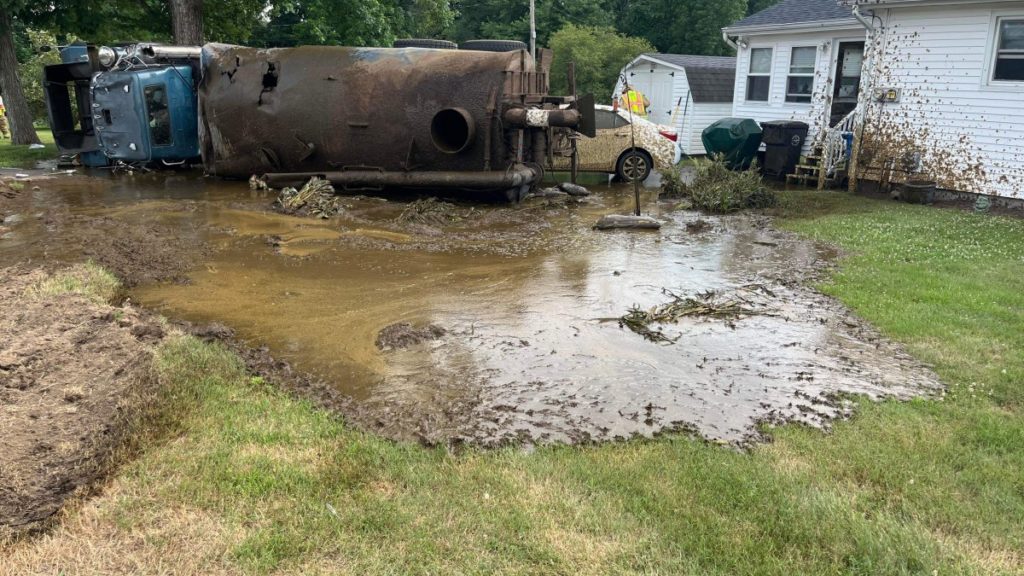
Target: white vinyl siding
point(966, 126)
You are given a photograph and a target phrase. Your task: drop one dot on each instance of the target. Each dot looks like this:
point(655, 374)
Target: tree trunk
point(18, 113)
point(187, 22)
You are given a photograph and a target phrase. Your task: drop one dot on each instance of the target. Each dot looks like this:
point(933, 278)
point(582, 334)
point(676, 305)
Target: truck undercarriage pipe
point(157, 51)
point(373, 179)
point(537, 118)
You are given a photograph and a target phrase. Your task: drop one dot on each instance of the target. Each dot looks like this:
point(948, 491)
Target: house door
point(847, 80)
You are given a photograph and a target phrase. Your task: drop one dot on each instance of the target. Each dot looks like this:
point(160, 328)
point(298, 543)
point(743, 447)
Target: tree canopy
point(599, 54)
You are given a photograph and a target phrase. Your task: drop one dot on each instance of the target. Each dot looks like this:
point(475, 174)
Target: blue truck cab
point(133, 104)
point(146, 115)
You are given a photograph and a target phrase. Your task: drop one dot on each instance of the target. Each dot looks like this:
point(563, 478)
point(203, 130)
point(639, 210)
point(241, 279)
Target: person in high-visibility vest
point(634, 100)
point(3, 120)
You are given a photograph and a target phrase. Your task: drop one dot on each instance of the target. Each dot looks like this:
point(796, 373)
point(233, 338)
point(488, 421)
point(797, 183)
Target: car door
point(599, 154)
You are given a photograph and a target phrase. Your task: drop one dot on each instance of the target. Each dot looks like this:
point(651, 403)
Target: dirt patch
point(405, 335)
point(73, 371)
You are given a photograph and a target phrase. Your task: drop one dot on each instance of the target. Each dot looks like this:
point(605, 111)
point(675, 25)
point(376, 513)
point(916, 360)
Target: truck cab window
point(159, 115)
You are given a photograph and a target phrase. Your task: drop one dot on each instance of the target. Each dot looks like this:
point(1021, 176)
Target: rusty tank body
point(381, 118)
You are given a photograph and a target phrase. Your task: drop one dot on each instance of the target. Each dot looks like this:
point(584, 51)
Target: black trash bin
point(783, 141)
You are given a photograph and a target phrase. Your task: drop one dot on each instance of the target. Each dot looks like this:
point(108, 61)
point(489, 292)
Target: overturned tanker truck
point(371, 119)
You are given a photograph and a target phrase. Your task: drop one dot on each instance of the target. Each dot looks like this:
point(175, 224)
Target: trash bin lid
point(785, 124)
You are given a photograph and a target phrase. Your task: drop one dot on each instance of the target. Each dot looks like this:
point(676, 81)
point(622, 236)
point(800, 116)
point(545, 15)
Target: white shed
point(688, 93)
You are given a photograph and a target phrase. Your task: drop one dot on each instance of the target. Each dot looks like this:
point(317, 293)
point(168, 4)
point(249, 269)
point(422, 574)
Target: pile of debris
point(432, 212)
point(315, 198)
point(716, 189)
point(746, 300)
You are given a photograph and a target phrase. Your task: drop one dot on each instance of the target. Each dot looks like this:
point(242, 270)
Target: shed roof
point(790, 12)
point(711, 78)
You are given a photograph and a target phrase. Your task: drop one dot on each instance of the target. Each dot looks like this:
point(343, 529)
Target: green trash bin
point(735, 140)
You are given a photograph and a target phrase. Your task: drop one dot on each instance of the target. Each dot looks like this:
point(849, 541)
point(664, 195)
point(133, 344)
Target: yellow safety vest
point(634, 100)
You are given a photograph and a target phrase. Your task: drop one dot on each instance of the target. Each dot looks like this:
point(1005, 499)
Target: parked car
point(611, 150)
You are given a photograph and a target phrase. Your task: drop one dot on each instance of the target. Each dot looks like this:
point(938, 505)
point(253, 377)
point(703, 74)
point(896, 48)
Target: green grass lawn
point(251, 480)
point(22, 157)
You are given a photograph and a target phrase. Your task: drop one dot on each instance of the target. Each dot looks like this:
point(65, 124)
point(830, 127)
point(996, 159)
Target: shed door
point(662, 82)
point(656, 83)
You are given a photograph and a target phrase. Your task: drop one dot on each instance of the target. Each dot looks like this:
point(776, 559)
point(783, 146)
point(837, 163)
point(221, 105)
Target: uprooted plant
point(718, 190)
point(744, 301)
point(315, 198)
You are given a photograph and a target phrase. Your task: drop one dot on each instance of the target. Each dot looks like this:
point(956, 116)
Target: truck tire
point(425, 43)
point(493, 45)
point(633, 165)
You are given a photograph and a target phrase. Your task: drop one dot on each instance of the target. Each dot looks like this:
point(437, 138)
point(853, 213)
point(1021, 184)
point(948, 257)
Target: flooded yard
point(518, 307)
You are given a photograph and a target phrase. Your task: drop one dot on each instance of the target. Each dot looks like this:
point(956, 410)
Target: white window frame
point(988, 79)
point(810, 75)
point(771, 68)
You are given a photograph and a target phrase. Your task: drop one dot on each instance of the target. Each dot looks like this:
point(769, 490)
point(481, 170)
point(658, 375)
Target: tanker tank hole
point(452, 130)
point(269, 80)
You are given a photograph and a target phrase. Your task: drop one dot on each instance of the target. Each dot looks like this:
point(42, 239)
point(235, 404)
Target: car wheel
point(633, 165)
point(425, 43)
point(494, 45)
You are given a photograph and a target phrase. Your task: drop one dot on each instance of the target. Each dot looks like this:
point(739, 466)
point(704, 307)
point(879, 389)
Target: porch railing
point(836, 142)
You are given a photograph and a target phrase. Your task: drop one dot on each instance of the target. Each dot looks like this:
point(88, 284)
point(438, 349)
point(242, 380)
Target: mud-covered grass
point(12, 156)
point(88, 280)
point(252, 480)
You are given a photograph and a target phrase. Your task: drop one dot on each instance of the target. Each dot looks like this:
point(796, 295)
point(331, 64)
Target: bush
point(718, 190)
point(672, 185)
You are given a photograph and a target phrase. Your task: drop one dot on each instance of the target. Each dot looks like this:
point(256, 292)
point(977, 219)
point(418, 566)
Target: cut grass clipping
point(741, 302)
point(718, 190)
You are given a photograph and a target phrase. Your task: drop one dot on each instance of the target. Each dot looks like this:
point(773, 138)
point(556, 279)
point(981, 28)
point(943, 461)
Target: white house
point(688, 93)
point(798, 60)
point(928, 89)
point(945, 94)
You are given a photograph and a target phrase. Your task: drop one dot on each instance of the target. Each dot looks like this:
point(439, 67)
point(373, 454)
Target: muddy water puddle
point(526, 298)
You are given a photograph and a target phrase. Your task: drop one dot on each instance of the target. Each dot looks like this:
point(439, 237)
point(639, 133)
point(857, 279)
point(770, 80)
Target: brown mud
point(404, 335)
point(524, 294)
point(73, 374)
point(152, 243)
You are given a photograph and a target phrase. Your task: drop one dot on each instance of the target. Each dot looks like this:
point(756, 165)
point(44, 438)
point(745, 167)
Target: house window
point(759, 79)
point(1009, 65)
point(159, 115)
point(800, 82)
